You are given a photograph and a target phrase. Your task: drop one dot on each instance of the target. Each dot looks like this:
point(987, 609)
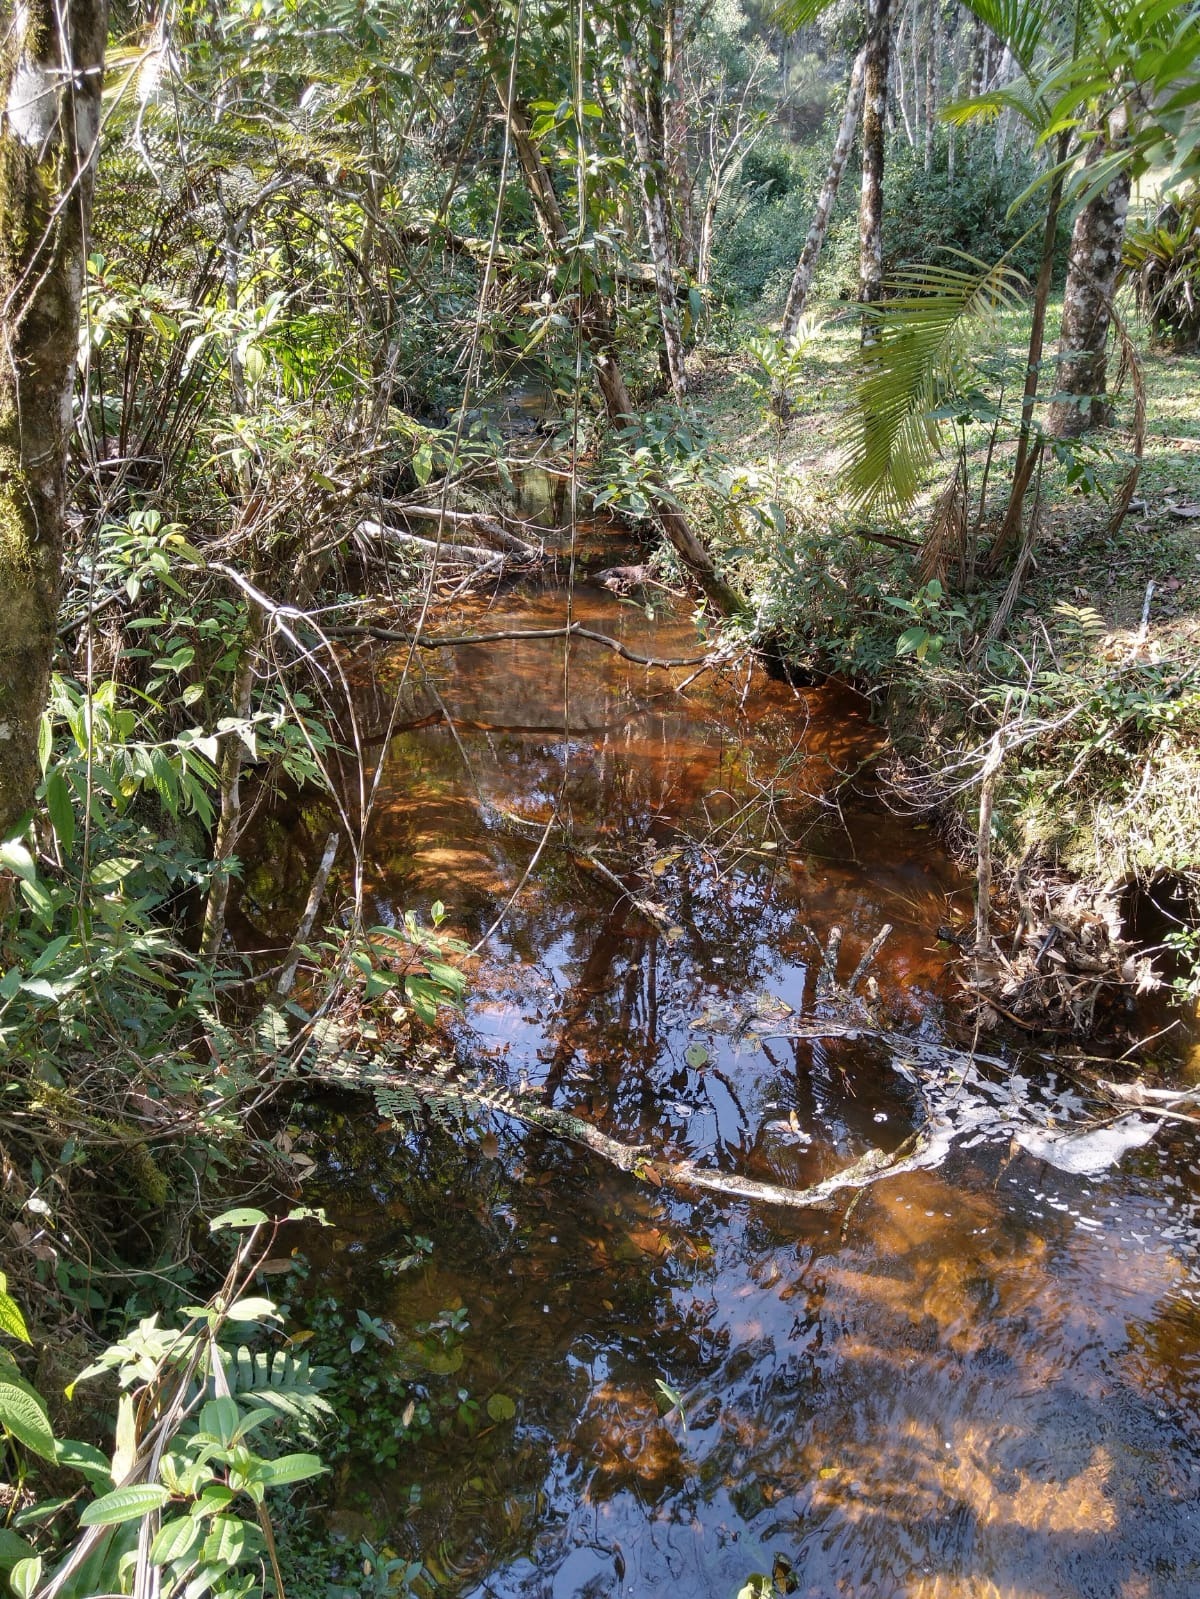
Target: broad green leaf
point(253, 1308)
point(111, 872)
point(24, 1415)
point(125, 1504)
point(289, 1468)
point(11, 1320)
point(25, 1577)
point(85, 1459)
point(242, 1216)
point(12, 1548)
point(174, 1540)
point(62, 812)
point(225, 1543)
point(219, 1418)
point(15, 858)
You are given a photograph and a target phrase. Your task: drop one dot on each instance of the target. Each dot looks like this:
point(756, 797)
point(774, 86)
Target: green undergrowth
point(1102, 718)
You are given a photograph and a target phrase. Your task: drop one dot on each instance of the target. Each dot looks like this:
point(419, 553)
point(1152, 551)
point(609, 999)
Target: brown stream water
point(976, 1380)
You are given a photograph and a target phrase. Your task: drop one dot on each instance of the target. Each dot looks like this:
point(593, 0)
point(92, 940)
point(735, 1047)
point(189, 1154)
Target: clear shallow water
point(976, 1381)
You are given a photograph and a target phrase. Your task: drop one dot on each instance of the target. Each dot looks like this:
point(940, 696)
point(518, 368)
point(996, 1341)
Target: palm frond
point(1020, 24)
point(917, 366)
point(987, 107)
point(792, 15)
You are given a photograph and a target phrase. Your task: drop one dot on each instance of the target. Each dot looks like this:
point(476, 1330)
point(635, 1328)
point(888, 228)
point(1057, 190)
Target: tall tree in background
point(644, 108)
point(806, 266)
point(875, 56)
point(870, 211)
point(51, 68)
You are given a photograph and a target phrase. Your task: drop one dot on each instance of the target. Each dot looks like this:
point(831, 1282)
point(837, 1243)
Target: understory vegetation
point(353, 271)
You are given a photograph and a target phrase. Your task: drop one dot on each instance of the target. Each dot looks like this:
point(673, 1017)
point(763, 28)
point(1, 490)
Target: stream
point(974, 1381)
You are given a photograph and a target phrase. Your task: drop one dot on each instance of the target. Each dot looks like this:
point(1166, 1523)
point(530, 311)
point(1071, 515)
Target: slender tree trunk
point(707, 231)
point(978, 58)
point(652, 188)
point(870, 214)
point(901, 94)
point(676, 135)
point(1004, 72)
point(51, 66)
point(806, 266)
point(933, 44)
point(1096, 243)
point(1028, 450)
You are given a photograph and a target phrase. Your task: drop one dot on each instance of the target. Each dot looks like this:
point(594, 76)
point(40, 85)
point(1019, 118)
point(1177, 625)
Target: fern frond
point(279, 1381)
point(916, 366)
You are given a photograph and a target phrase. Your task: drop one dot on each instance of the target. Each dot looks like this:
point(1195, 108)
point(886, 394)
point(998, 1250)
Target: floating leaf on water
point(501, 1408)
point(696, 1056)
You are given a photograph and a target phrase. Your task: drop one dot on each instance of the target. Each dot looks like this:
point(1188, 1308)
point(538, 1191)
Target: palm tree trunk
point(870, 213)
point(1096, 243)
point(51, 66)
point(807, 264)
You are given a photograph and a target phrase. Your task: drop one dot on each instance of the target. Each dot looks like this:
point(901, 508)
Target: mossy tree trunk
point(51, 65)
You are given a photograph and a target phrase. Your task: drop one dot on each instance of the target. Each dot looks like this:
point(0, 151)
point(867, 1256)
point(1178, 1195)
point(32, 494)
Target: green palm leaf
point(792, 15)
point(1021, 24)
point(918, 364)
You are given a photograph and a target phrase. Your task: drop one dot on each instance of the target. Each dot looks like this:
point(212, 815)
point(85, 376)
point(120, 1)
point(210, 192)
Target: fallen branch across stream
point(393, 635)
point(474, 1093)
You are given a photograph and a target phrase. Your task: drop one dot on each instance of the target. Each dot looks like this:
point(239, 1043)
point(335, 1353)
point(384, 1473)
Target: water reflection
point(975, 1382)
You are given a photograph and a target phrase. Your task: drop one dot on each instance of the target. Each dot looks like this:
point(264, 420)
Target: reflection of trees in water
point(895, 1401)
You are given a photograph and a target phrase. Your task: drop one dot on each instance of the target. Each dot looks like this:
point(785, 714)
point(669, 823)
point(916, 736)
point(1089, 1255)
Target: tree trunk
point(51, 65)
point(1006, 71)
point(978, 53)
point(652, 189)
point(1096, 243)
point(1029, 451)
point(676, 152)
point(707, 233)
point(870, 214)
point(807, 264)
point(901, 94)
point(933, 44)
